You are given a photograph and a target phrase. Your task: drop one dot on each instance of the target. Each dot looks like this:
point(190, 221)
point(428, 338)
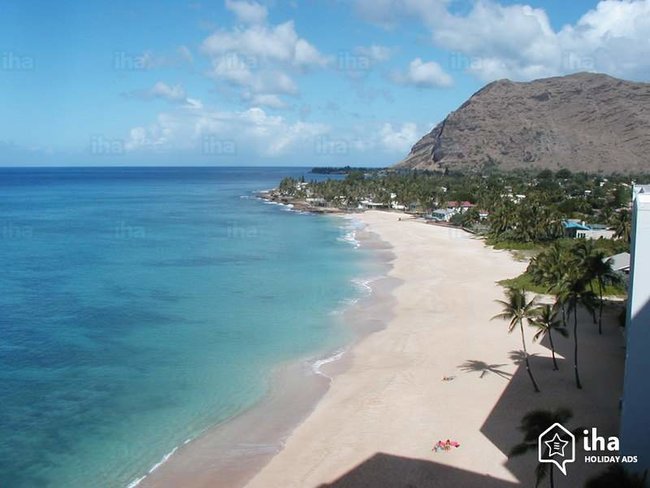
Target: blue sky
point(238, 82)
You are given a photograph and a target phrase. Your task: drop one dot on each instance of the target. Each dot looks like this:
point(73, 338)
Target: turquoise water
point(139, 306)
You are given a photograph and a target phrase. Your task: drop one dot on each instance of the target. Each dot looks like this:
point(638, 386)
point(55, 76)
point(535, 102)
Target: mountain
point(583, 122)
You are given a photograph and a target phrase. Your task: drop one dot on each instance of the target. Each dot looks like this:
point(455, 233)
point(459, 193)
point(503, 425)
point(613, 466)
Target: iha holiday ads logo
point(557, 445)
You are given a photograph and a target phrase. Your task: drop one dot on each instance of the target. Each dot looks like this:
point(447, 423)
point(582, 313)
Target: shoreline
point(295, 388)
point(379, 420)
point(390, 400)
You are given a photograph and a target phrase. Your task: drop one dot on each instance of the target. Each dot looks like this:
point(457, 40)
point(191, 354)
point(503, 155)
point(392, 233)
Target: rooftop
point(620, 261)
point(570, 224)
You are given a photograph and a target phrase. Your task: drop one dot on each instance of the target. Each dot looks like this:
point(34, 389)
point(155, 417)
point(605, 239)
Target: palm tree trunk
point(563, 316)
point(575, 346)
point(530, 373)
point(550, 339)
point(593, 312)
point(550, 477)
point(600, 307)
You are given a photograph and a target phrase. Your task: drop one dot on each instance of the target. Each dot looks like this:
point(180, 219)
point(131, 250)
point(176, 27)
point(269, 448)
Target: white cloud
point(253, 131)
point(614, 38)
point(149, 60)
point(174, 93)
point(271, 101)
point(517, 41)
point(247, 12)
point(278, 43)
point(375, 53)
point(261, 60)
point(495, 41)
point(399, 139)
point(424, 75)
point(387, 139)
point(155, 137)
point(250, 135)
point(233, 68)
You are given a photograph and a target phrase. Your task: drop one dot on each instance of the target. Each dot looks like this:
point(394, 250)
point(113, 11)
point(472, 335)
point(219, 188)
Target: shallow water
point(141, 306)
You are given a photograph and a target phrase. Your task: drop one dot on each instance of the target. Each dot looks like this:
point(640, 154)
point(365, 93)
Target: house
point(443, 214)
point(572, 226)
point(635, 414)
point(620, 262)
point(460, 206)
point(595, 234)
point(316, 202)
point(580, 230)
point(371, 204)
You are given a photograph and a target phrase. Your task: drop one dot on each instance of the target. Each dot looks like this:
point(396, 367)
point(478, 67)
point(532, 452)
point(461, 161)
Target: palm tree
point(516, 309)
point(583, 256)
point(616, 475)
point(622, 225)
point(533, 424)
point(501, 219)
point(601, 268)
point(550, 268)
point(546, 322)
point(573, 292)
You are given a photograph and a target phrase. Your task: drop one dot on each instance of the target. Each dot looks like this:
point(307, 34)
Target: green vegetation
point(524, 282)
point(515, 210)
point(520, 210)
point(546, 322)
point(543, 271)
point(513, 245)
point(578, 274)
point(516, 309)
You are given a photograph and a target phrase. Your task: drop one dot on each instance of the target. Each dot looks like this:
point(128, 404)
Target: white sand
point(391, 405)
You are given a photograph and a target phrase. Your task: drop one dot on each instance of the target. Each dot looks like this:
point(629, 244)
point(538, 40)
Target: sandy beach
point(430, 366)
point(379, 420)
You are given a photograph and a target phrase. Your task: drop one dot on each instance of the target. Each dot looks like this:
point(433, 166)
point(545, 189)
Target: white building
point(595, 234)
point(443, 214)
point(635, 413)
point(370, 204)
point(620, 262)
point(640, 190)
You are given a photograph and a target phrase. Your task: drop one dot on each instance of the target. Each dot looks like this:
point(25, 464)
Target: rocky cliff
point(584, 122)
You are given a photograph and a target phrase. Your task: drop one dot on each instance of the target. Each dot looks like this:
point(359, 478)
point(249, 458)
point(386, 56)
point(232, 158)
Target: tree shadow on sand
point(519, 357)
point(474, 366)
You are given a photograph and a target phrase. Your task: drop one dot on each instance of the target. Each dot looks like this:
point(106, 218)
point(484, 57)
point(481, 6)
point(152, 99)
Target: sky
point(278, 83)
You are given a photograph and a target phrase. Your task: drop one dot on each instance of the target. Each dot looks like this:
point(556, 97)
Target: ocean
point(140, 306)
